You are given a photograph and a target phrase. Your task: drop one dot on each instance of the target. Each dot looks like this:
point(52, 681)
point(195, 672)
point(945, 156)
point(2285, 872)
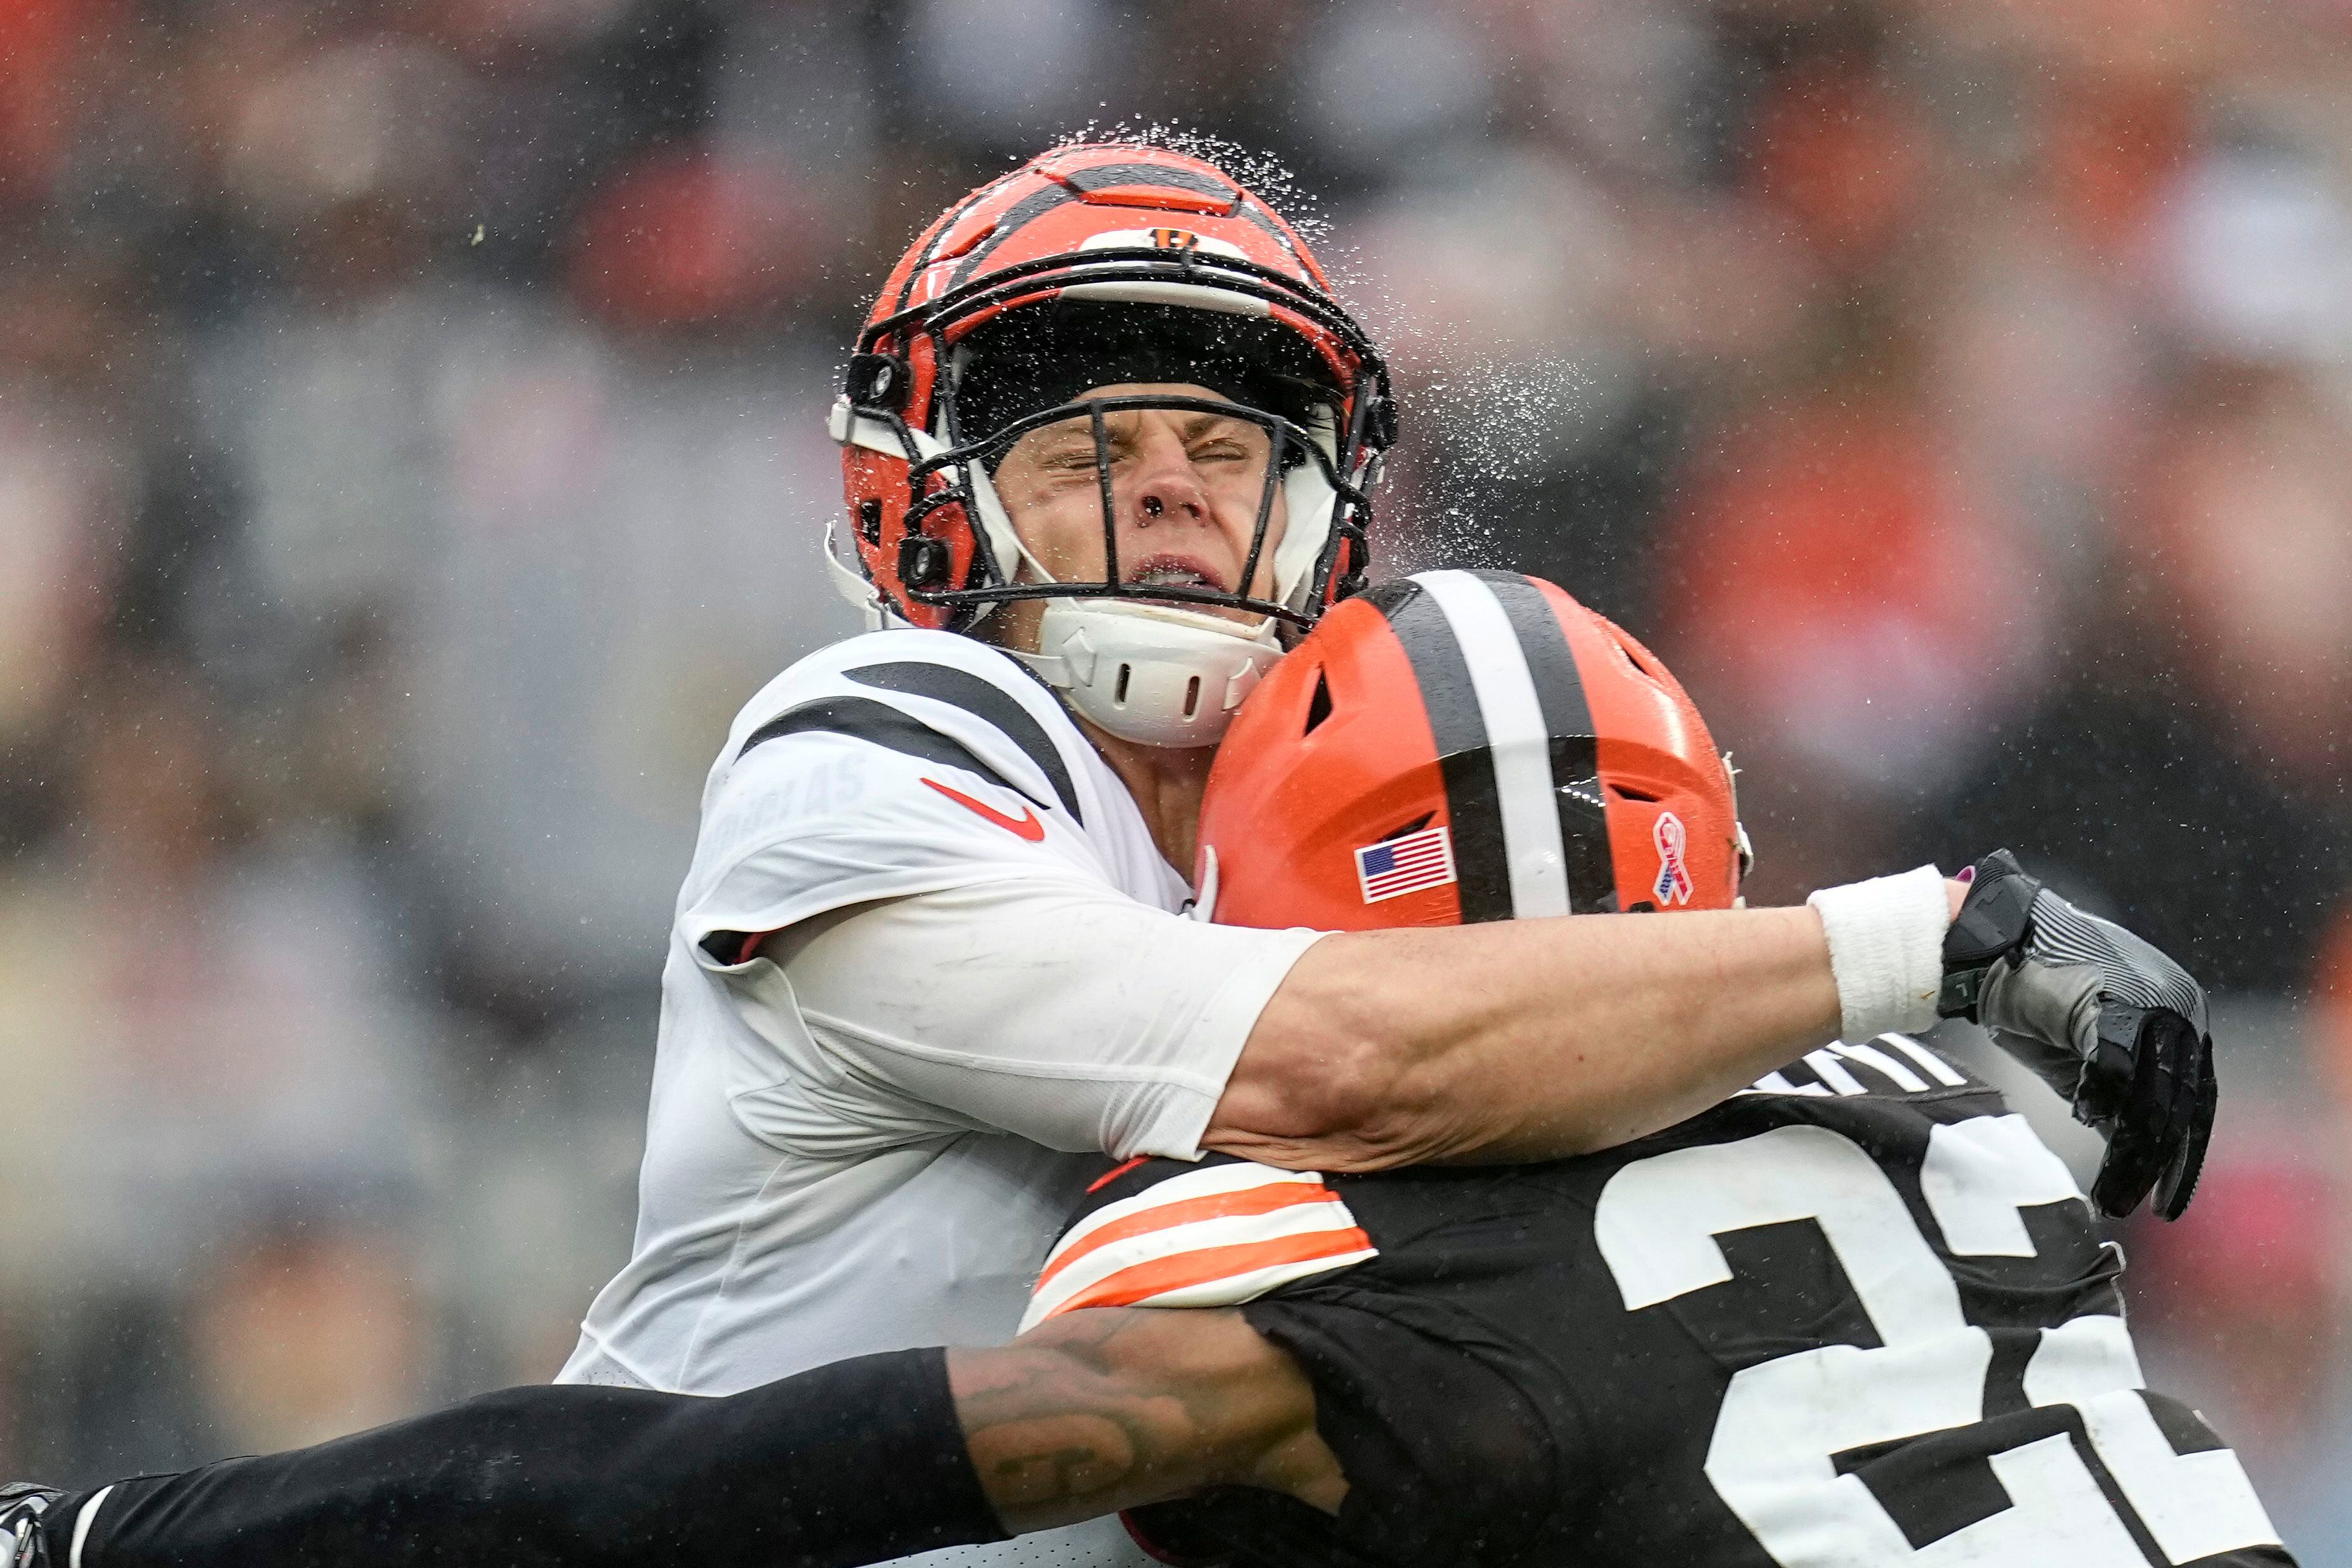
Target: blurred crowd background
point(412, 453)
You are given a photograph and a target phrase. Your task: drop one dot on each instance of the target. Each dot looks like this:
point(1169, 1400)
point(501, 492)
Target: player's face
point(1185, 489)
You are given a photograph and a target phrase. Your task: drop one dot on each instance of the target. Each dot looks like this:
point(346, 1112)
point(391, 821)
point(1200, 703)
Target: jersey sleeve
point(818, 820)
point(1158, 1233)
point(1037, 1003)
point(1447, 1460)
point(927, 899)
point(1448, 1464)
point(886, 766)
point(859, 1461)
point(1436, 1420)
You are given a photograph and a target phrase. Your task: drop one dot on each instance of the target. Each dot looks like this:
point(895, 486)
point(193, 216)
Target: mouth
point(1168, 570)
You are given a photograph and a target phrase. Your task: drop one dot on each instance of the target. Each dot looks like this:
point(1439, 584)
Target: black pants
point(850, 1463)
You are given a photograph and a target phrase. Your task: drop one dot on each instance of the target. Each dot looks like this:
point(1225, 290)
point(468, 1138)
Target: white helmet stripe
point(1518, 741)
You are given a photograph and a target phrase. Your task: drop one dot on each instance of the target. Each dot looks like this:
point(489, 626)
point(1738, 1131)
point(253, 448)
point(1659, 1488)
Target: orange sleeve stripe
point(1211, 1264)
point(1264, 1199)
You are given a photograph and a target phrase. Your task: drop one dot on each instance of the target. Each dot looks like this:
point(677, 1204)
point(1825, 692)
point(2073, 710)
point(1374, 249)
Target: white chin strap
point(1151, 674)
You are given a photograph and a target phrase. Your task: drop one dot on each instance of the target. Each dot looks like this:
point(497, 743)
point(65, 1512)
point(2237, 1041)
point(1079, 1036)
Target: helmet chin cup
point(1151, 674)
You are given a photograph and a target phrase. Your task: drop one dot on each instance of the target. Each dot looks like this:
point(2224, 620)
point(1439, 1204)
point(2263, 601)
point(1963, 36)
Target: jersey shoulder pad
point(1165, 1233)
point(885, 766)
point(934, 696)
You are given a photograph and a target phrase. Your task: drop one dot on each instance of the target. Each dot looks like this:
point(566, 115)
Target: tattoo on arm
point(1112, 1408)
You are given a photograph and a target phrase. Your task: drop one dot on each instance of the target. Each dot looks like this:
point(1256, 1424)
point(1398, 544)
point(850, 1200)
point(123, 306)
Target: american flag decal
point(1397, 866)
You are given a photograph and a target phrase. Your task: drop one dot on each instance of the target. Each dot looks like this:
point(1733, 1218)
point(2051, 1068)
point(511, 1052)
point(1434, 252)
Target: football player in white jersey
point(1108, 446)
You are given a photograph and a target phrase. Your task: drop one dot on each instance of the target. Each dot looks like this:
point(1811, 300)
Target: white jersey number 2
point(1783, 1420)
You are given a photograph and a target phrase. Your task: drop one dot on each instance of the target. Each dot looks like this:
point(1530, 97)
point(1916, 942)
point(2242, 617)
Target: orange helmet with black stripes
point(1161, 236)
point(1459, 747)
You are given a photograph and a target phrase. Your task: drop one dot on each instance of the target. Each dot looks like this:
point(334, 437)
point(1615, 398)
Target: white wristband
point(1886, 950)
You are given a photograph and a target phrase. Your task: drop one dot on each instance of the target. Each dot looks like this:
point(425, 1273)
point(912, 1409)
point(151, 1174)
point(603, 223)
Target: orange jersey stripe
point(1215, 1206)
point(1116, 1172)
point(1211, 1264)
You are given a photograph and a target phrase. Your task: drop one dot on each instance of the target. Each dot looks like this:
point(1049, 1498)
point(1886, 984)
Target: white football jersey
point(870, 1145)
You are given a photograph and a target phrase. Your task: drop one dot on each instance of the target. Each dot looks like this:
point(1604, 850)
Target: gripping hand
point(2118, 1029)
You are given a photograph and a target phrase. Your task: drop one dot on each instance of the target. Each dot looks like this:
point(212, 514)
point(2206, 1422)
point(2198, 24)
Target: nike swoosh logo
point(1026, 825)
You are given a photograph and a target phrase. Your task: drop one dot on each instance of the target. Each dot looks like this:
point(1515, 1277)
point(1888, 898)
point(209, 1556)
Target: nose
point(1166, 488)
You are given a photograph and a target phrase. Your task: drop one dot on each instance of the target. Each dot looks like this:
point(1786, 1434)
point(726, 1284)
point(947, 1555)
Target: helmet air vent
point(1634, 654)
point(1318, 707)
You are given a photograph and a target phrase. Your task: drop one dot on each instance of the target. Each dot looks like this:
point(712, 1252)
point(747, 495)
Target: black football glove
point(2118, 1029)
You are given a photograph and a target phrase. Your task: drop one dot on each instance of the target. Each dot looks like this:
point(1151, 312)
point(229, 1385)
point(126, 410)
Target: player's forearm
point(1523, 1039)
point(1113, 1408)
point(856, 1462)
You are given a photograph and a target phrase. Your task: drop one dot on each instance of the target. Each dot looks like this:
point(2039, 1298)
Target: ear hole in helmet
point(923, 562)
point(1318, 707)
point(1627, 792)
point(1192, 695)
point(1118, 694)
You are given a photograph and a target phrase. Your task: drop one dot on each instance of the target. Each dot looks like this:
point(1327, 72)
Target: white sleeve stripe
point(1178, 1241)
point(1936, 1066)
point(1776, 1082)
point(1901, 1077)
point(82, 1522)
point(1832, 1072)
point(1208, 1181)
point(1835, 1080)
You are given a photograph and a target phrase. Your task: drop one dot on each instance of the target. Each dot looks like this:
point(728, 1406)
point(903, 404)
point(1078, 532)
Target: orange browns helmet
point(1092, 223)
point(1461, 746)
